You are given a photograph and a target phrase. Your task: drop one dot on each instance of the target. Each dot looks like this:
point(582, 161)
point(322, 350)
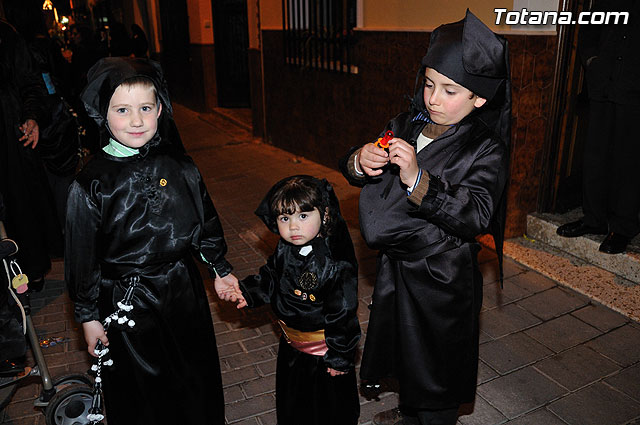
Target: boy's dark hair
point(301, 193)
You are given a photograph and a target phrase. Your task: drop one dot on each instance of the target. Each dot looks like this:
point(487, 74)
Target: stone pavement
point(548, 354)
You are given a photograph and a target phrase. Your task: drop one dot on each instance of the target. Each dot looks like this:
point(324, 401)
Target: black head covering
point(108, 73)
point(472, 55)
point(337, 236)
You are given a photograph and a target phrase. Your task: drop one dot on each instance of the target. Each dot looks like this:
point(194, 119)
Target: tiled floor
point(548, 355)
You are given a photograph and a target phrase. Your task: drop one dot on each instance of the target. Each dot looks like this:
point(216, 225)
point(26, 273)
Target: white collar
point(305, 250)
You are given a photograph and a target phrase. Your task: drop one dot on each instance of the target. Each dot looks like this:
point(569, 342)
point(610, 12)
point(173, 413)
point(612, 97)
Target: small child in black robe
point(137, 215)
point(311, 283)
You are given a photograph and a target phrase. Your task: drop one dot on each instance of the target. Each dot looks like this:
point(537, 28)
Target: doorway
point(561, 188)
point(231, 41)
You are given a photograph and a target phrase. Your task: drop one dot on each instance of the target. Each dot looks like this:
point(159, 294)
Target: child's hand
point(371, 159)
point(228, 289)
point(404, 155)
point(93, 331)
point(334, 372)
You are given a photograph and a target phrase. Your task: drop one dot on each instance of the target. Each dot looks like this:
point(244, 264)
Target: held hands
point(371, 160)
point(334, 372)
point(228, 289)
point(31, 133)
point(93, 331)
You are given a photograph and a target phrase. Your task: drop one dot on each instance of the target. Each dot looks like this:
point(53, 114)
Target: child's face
point(133, 115)
point(300, 227)
point(447, 101)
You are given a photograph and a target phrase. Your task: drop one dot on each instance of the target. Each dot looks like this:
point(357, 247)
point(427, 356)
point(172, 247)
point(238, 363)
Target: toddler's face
point(300, 227)
point(447, 101)
point(133, 115)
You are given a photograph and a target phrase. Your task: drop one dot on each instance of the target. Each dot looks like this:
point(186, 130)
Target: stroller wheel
point(69, 406)
point(64, 381)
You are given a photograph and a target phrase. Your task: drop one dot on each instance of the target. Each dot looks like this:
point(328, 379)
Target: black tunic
point(305, 392)
point(146, 216)
point(423, 327)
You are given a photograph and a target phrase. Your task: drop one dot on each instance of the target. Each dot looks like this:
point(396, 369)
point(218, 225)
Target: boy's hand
point(228, 289)
point(371, 159)
point(93, 331)
point(334, 372)
point(404, 155)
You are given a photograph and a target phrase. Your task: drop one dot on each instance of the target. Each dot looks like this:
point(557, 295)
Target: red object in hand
point(383, 142)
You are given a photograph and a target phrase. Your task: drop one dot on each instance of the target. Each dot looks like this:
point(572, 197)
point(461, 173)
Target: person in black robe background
point(310, 282)
point(31, 217)
point(422, 204)
point(610, 182)
point(144, 214)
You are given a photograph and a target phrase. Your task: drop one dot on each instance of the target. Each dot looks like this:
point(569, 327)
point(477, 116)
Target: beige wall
point(417, 15)
point(271, 14)
point(200, 21)
point(426, 14)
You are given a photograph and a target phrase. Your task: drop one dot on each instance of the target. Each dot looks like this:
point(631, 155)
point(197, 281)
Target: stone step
point(542, 227)
point(611, 280)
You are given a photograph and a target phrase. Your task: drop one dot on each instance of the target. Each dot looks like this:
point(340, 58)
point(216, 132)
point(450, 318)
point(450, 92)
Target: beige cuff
point(420, 190)
point(351, 166)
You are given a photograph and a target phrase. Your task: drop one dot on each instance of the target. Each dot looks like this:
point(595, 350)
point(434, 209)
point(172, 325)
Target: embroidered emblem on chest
point(308, 280)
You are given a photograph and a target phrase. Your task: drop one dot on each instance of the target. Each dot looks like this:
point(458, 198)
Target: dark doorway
point(561, 188)
point(231, 42)
point(174, 21)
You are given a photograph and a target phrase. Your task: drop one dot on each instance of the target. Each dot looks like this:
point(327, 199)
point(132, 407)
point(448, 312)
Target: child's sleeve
point(81, 266)
point(342, 329)
point(257, 289)
point(465, 208)
point(213, 246)
point(347, 166)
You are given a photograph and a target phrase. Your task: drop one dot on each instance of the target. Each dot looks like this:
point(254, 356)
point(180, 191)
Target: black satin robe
point(148, 215)
point(305, 392)
point(423, 328)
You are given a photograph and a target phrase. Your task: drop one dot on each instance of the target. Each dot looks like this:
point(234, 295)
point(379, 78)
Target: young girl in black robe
point(423, 202)
point(311, 283)
point(137, 215)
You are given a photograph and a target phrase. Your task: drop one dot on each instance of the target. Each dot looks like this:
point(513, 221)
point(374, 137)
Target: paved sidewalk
point(548, 355)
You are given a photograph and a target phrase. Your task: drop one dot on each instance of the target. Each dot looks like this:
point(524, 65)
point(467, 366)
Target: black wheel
point(63, 381)
point(69, 406)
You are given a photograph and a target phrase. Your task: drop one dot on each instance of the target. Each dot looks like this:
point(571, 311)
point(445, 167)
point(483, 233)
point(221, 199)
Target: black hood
point(107, 74)
point(329, 200)
point(470, 54)
point(337, 237)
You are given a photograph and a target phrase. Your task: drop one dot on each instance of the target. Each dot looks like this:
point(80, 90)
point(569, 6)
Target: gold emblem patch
point(163, 182)
point(308, 280)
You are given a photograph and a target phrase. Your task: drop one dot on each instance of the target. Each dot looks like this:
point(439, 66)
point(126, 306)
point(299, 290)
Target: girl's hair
point(302, 193)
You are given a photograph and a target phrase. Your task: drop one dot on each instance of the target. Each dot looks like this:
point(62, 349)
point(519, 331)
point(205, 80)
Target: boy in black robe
point(138, 213)
point(422, 204)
